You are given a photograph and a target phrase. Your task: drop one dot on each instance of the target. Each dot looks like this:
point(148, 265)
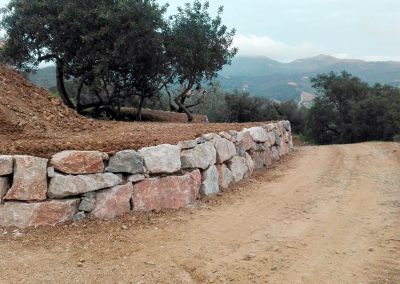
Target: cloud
point(342, 55)
point(252, 45)
point(381, 58)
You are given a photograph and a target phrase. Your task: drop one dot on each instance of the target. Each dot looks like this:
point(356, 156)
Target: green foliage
point(115, 50)
point(241, 107)
point(223, 106)
point(212, 104)
point(348, 110)
point(197, 46)
point(112, 49)
point(296, 115)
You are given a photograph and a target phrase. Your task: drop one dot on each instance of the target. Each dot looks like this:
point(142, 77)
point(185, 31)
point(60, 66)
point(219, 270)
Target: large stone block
point(136, 178)
point(210, 182)
point(210, 136)
point(238, 167)
point(250, 163)
point(258, 134)
point(6, 165)
point(30, 179)
point(259, 147)
point(128, 161)
point(244, 142)
point(225, 149)
point(275, 153)
point(225, 176)
point(4, 187)
point(171, 192)
point(64, 186)
point(23, 215)
point(88, 202)
point(270, 139)
point(225, 135)
point(234, 135)
point(190, 144)
point(202, 156)
point(270, 126)
point(286, 125)
point(78, 162)
point(284, 149)
point(262, 159)
point(113, 202)
point(277, 138)
point(162, 159)
point(281, 128)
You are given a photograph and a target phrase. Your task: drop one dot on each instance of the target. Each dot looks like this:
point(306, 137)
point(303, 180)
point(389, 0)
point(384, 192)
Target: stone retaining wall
point(75, 184)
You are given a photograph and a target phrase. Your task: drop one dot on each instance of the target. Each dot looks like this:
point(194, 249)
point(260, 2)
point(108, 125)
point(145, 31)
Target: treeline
point(240, 106)
point(346, 110)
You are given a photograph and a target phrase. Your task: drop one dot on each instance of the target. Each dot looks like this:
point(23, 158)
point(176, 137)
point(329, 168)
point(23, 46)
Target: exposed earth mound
point(25, 107)
point(34, 122)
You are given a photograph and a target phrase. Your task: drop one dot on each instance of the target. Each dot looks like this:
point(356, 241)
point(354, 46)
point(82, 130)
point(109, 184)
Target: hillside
point(269, 78)
point(283, 81)
point(25, 108)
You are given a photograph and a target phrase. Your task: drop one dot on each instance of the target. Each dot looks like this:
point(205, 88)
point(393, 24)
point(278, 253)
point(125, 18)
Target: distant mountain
point(265, 77)
point(44, 77)
point(283, 81)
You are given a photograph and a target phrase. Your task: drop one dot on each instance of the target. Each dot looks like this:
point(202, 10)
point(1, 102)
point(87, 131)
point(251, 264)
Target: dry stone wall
point(73, 185)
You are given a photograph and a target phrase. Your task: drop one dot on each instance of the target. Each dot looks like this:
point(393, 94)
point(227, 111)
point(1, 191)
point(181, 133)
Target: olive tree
point(197, 46)
point(113, 49)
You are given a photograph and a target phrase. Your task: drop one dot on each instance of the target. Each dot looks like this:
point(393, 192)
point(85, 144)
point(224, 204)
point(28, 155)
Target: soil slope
point(27, 108)
point(33, 122)
point(327, 215)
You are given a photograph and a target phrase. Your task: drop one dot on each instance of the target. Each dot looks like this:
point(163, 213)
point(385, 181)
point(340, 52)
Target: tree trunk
point(178, 101)
point(78, 98)
point(139, 110)
point(171, 106)
point(61, 87)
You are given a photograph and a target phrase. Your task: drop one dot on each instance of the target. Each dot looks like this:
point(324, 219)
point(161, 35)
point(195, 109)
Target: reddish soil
point(36, 123)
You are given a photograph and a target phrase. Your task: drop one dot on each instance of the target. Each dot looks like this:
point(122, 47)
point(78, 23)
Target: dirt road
point(326, 215)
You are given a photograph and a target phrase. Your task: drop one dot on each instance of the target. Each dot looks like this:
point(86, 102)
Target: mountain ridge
point(263, 76)
point(301, 65)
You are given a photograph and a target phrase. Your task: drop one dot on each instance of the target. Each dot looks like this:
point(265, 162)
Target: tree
point(323, 122)
point(112, 49)
point(290, 110)
point(197, 46)
point(241, 107)
point(377, 116)
point(348, 110)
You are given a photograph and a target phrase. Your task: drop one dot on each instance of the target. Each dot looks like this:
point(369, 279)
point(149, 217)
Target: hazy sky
point(290, 29)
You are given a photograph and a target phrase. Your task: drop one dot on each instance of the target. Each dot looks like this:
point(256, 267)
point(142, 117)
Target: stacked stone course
point(75, 184)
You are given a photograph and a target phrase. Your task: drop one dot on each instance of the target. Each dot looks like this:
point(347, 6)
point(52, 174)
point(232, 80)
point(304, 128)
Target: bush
point(396, 138)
